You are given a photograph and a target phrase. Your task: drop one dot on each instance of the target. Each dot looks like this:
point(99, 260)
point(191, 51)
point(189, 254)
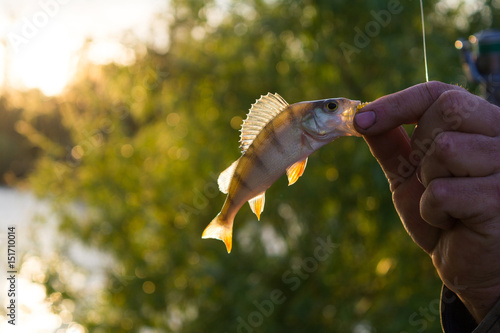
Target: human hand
point(445, 181)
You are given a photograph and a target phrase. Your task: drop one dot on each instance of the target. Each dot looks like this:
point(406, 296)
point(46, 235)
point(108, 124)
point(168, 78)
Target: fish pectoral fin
point(220, 229)
point(257, 204)
point(295, 171)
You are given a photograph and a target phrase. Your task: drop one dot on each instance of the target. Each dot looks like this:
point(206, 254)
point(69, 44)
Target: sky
point(40, 41)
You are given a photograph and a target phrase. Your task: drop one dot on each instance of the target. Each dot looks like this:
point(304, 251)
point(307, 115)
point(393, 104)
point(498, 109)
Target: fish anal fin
point(295, 171)
point(257, 204)
point(220, 229)
point(225, 177)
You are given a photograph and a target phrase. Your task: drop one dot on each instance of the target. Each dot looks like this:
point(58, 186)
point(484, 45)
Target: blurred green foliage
point(141, 148)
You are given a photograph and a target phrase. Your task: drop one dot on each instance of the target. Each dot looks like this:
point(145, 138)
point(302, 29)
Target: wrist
point(456, 317)
point(479, 308)
point(479, 302)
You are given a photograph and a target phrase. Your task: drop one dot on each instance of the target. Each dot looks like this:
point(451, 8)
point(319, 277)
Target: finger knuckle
point(445, 146)
point(436, 87)
point(450, 102)
point(437, 193)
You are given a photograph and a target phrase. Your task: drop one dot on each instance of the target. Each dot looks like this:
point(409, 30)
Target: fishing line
point(423, 41)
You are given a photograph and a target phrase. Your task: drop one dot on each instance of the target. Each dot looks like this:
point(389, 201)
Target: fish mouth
point(348, 115)
point(347, 118)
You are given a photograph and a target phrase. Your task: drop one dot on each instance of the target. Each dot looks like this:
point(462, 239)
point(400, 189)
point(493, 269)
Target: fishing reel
point(481, 62)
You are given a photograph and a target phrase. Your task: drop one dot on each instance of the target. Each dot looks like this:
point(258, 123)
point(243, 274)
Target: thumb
point(404, 107)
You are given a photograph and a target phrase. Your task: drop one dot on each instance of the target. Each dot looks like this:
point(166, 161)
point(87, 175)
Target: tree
point(149, 140)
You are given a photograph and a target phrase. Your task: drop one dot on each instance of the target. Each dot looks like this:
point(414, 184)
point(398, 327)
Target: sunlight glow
point(45, 63)
point(2, 62)
point(33, 299)
point(46, 40)
point(105, 52)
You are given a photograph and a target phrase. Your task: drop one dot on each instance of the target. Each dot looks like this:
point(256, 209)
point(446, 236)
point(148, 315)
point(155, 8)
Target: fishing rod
point(480, 56)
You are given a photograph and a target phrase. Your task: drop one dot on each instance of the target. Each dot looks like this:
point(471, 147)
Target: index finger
point(404, 107)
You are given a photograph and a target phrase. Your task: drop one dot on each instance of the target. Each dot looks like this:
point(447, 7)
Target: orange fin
point(257, 204)
point(295, 171)
point(220, 229)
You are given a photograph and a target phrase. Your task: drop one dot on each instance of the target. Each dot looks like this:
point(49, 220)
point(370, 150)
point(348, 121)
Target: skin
point(445, 181)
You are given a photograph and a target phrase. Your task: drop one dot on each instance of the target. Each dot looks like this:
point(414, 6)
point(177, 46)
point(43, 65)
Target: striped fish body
point(279, 145)
point(276, 138)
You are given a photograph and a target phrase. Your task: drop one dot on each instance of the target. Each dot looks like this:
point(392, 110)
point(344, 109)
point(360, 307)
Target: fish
point(277, 137)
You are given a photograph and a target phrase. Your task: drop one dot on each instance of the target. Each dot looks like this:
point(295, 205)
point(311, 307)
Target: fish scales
point(267, 158)
point(276, 137)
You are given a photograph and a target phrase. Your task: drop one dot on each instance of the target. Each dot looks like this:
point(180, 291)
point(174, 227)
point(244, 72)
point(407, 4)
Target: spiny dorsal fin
point(261, 113)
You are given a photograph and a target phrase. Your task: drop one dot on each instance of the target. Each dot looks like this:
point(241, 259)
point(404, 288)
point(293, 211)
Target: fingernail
point(365, 120)
point(418, 173)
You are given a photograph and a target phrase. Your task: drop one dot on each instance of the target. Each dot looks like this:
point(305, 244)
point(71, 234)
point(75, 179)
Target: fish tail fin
point(220, 229)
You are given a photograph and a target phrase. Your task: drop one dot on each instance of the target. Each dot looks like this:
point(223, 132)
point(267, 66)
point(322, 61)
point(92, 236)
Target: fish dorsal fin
point(261, 113)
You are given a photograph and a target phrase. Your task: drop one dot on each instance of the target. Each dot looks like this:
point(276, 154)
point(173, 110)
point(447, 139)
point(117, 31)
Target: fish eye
point(332, 106)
